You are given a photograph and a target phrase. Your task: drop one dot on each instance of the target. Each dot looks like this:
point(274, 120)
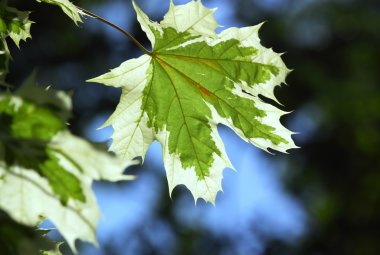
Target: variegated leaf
point(45, 171)
point(193, 80)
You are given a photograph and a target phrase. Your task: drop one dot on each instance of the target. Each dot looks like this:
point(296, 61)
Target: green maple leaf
point(45, 171)
point(67, 7)
point(16, 25)
point(193, 80)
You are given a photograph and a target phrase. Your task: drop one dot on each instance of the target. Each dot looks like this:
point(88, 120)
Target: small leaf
point(67, 7)
point(193, 80)
point(16, 25)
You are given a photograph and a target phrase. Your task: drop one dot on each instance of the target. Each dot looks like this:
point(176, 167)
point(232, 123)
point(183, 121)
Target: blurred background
point(322, 199)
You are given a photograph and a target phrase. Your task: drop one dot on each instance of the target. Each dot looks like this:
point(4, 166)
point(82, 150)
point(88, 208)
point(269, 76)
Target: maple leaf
point(16, 25)
point(193, 80)
point(67, 7)
point(45, 171)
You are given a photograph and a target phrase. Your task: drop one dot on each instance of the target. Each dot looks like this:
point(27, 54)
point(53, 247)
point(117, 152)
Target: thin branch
point(137, 43)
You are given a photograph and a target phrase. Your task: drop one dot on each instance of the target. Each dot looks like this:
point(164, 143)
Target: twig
point(137, 43)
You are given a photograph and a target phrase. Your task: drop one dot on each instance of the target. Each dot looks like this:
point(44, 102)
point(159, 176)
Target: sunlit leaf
point(45, 171)
point(67, 7)
point(16, 25)
point(193, 80)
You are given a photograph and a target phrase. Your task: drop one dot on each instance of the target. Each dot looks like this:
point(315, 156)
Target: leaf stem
point(137, 43)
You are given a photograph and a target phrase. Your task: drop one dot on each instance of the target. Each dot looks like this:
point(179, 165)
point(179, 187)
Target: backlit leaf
point(193, 80)
point(67, 7)
point(45, 171)
point(16, 25)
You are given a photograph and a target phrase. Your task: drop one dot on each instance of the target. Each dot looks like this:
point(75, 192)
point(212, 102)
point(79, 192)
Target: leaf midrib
point(219, 98)
point(185, 121)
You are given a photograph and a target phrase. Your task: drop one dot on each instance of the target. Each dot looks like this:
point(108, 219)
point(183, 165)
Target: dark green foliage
point(16, 239)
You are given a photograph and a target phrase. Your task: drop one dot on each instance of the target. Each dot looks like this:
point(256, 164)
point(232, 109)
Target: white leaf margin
point(178, 17)
point(28, 198)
